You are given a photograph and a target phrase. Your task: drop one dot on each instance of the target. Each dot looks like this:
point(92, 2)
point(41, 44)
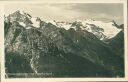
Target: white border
point(60, 79)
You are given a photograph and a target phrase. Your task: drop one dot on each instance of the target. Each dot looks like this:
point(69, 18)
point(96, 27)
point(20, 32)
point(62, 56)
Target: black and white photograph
point(64, 40)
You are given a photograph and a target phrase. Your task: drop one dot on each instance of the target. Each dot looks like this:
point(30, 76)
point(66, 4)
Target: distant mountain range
point(83, 48)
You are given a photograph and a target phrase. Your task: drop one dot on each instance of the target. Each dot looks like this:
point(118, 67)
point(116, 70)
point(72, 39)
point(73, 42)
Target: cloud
point(110, 11)
point(72, 11)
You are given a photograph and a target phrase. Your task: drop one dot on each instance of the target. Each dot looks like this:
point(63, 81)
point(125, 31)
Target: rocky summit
point(37, 48)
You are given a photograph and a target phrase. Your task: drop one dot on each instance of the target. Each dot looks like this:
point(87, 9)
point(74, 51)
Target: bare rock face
point(51, 51)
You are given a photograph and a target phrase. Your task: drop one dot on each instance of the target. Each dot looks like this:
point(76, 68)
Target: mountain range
point(83, 48)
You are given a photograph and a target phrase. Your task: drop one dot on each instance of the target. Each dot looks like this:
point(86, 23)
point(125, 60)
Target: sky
point(71, 11)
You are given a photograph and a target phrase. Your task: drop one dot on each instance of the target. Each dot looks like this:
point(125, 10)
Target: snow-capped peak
point(103, 30)
point(52, 22)
point(35, 22)
point(21, 12)
point(24, 19)
point(64, 24)
point(109, 29)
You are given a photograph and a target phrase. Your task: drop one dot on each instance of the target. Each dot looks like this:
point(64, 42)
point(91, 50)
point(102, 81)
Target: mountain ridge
point(64, 52)
point(100, 29)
